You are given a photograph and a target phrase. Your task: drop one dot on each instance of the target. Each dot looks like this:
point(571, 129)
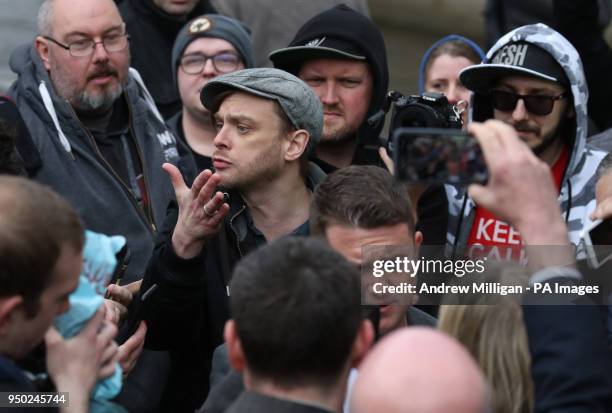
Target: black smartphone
point(123, 259)
point(438, 156)
point(598, 242)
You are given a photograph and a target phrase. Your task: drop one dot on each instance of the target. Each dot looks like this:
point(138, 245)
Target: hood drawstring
point(146, 94)
point(569, 201)
point(46, 98)
point(459, 224)
point(48, 102)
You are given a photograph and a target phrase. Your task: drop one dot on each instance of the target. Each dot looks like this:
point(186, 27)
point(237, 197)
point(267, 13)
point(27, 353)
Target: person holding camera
point(533, 80)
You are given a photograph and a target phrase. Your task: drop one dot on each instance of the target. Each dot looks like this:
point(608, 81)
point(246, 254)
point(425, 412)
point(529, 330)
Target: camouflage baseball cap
point(295, 97)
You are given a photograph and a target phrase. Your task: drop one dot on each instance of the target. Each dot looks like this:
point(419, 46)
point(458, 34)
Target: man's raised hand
point(201, 213)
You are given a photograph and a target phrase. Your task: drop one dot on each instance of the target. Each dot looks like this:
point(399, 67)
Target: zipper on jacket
point(232, 226)
point(143, 164)
point(130, 195)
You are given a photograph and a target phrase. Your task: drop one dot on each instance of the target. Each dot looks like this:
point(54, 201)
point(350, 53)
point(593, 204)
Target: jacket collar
point(238, 219)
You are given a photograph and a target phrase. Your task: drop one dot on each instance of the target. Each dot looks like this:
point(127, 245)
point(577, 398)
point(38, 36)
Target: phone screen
point(602, 233)
point(598, 241)
point(438, 156)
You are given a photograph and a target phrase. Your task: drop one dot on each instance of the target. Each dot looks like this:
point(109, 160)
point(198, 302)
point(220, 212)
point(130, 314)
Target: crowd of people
point(187, 188)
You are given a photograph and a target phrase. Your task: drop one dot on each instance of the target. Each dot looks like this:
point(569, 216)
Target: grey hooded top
point(73, 166)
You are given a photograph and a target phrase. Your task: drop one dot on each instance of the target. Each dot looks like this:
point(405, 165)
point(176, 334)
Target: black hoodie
point(152, 32)
point(345, 24)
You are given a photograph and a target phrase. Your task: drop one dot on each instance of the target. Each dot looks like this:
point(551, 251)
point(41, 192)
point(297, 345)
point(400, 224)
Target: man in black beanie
point(341, 55)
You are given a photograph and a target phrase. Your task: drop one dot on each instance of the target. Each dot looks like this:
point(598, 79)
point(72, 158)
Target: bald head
point(419, 370)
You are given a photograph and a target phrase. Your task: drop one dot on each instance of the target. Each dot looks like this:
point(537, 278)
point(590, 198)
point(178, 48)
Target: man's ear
point(418, 238)
point(363, 342)
point(8, 306)
point(234, 347)
point(42, 47)
point(295, 144)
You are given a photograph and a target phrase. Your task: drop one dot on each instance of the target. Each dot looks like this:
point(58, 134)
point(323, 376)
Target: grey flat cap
point(295, 97)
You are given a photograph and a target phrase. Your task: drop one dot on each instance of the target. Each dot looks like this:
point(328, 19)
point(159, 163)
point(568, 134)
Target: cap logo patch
point(315, 42)
point(200, 25)
point(512, 54)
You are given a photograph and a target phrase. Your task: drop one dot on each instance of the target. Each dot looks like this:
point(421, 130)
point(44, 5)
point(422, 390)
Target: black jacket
point(578, 21)
point(252, 402)
point(571, 364)
point(188, 305)
point(505, 15)
point(152, 33)
point(13, 379)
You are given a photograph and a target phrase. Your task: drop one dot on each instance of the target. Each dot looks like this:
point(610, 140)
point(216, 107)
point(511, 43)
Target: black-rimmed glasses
point(83, 48)
point(193, 64)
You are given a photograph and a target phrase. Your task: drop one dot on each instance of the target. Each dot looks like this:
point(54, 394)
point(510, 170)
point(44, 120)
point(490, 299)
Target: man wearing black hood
point(341, 55)
point(153, 25)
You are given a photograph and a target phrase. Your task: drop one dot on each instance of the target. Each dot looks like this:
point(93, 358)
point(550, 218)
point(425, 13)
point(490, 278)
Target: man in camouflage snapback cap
point(532, 79)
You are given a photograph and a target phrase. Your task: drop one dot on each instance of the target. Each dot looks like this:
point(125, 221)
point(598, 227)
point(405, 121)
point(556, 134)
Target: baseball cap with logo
point(517, 58)
point(340, 33)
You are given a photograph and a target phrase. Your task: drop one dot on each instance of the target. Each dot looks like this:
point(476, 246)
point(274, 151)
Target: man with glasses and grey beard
point(100, 138)
point(532, 79)
point(98, 134)
point(207, 46)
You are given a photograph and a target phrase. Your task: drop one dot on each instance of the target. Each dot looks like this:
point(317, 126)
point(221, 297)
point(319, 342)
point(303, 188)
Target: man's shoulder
point(585, 172)
point(250, 401)
point(12, 377)
point(315, 175)
point(602, 141)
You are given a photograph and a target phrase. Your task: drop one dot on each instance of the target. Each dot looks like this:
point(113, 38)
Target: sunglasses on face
point(539, 105)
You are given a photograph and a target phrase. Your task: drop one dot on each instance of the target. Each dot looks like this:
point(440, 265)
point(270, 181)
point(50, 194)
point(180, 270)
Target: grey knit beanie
point(216, 26)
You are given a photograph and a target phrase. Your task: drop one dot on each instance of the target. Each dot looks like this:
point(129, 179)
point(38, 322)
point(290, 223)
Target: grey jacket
point(73, 166)
point(577, 196)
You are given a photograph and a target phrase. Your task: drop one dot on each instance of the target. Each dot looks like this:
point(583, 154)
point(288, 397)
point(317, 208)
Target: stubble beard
point(260, 171)
point(337, 136)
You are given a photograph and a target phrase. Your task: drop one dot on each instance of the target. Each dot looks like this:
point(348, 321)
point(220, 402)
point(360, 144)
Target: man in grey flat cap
point(267, 120)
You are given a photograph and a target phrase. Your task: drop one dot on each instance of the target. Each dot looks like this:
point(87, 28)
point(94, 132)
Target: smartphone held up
point(438, 156)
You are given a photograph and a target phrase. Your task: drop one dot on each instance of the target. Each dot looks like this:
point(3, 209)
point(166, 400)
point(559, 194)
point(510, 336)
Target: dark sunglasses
point(539, 105)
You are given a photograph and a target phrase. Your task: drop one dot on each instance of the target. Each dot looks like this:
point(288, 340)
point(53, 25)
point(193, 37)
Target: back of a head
point(360, 196)
point(35, 224)
point(296, 307)
point(10, 161)
point(418, 370)
point(496, 337)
